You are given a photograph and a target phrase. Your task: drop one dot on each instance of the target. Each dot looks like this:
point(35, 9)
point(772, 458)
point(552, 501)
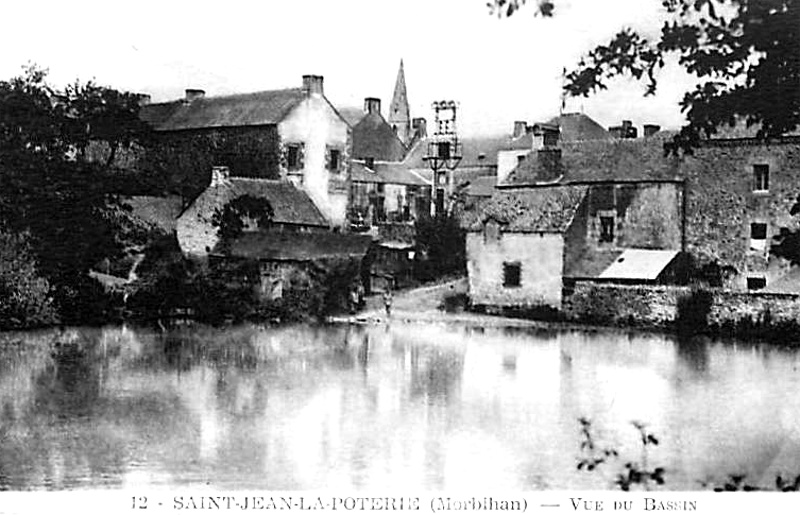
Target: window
point(756, 282)
point(758, 236)
point(761, 177)
point(511, 274)
point(520, 158)
point(334, 160)
point(293, 157)
point(606, 229)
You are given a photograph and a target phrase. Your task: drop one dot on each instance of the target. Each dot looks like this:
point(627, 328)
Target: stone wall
point(721, 203)
point(658, 306)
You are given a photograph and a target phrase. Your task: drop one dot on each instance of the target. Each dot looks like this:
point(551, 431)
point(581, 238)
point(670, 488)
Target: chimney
point(143, 98)
point(312, 85)
point(420, 128)
point(626, 130)
point(220, 175)
point(650, 129)
point(194, 94)
point(372, 105)
point(520, 128)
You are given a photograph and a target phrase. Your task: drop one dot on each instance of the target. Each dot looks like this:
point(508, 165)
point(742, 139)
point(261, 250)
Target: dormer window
point(761, 177)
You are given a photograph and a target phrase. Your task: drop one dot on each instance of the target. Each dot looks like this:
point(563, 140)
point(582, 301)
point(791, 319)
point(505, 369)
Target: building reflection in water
point(400, 406)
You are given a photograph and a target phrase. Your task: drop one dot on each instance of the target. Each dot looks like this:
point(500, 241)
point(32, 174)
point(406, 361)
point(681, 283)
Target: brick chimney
point(420, 128)
point(372, 105)
point(520, 128)
point(650, 129)
point(194, 94)
point(220, 175)
point(312, 85)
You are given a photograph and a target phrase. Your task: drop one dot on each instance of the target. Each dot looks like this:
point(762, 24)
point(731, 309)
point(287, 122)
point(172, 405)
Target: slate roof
point(283, 246)
point(386, 173)
point(548, 209)
point(352, 115)
point(247, 109)
point(289, 204)
point(601, 160)
point(373, 137)
point(579, 127)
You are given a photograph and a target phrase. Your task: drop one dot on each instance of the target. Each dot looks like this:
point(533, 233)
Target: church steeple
point(399, 117)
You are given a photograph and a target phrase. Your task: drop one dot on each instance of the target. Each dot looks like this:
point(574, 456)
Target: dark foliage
point(230, 220)
point(442, 245)
point(50, 188)
point(744, 53)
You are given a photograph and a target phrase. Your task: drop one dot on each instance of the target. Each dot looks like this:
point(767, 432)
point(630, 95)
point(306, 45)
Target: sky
point(498, 70)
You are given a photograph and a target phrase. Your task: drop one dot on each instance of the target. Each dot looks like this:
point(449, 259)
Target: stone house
point(530, 241)
point(736, 195)
point(293, 210)
point(292, 134)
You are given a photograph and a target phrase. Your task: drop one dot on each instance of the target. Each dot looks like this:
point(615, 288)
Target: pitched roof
point(579, 127)
point(352, 115)
point(600, 160)
point(247, 109)
point(289, 204)
point(529, 210)
point(373, 137)
point(386, 173)
point(283, 246)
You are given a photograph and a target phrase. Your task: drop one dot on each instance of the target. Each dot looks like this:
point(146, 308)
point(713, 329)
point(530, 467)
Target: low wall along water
point(666, 306)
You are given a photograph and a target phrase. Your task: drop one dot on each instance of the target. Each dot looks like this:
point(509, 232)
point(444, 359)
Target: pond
point(417, 406)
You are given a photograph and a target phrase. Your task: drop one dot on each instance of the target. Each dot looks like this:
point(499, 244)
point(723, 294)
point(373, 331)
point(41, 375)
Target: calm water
point(408, 406)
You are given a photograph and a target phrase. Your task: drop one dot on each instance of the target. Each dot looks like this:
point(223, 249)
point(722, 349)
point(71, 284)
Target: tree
point(51, 190)
point(745, 54)
point(230, 220)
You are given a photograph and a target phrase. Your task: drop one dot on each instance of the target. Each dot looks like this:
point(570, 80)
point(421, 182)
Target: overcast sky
point(499, 70)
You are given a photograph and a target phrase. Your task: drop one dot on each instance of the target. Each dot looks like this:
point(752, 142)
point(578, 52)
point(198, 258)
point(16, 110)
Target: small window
point(606, 229)
point(293, 157)
point(335, 160)
point(512, 275)
point(520, 158)
point(761, 177)
point(756, 283)
point(758, 236)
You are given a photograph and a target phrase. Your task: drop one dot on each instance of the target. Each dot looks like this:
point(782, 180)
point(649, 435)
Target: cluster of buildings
point(545, 206)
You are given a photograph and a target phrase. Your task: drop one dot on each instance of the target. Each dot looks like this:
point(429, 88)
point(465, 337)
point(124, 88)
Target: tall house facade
point(399, 115)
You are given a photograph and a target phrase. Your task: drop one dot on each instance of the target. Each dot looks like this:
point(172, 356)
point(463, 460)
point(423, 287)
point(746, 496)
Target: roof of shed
point(639, 264)
point(529, 210)
point(246, 109)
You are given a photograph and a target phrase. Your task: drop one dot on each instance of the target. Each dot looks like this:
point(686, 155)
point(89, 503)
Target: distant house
point(292, 134)
point(293, 210)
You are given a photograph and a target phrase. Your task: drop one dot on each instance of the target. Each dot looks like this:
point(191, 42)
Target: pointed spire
point(399, 116)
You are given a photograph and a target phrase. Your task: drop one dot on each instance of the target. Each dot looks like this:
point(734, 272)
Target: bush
point(25, 296)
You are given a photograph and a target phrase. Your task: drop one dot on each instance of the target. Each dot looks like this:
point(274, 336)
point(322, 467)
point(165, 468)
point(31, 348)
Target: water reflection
point(401, 406)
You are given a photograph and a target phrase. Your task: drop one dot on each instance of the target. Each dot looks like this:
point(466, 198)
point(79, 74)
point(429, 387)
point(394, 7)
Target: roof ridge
point(230, 96)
